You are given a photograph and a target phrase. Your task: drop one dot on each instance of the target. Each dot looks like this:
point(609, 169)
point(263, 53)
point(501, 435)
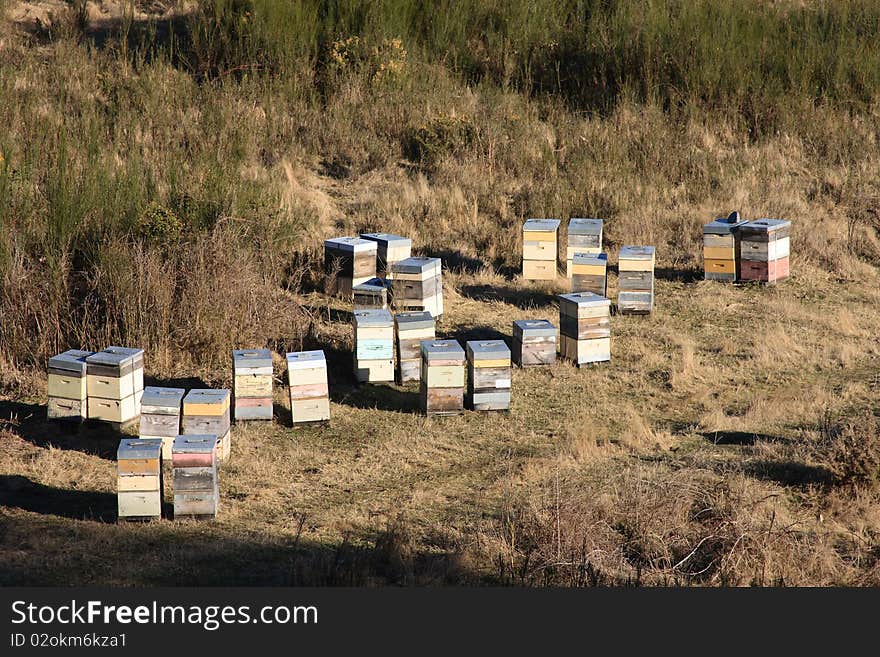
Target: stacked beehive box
point(635, 280)
point(418, 285)
point(389, 249)
point(721, 248)
point(411, 328)
point(68, 392)
point(115, 384)
point(252, 384)
point(373, 345)
point(309, 392)
point(584, 327)
point(765, 246)
point(534, 342)
point(584, 236)
point(539, 249)
point(488, 375)
point(195, 485)
point(139, 478)
point(206, 412)
point(442, 377)
point(372, 294)
point(348, 261)
point(589, 273)
point(160, 416)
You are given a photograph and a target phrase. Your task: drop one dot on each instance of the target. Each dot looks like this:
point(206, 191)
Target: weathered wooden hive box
point(348, 261)
point(584, 327)
point(206, 411)
point(373, 345)
point(68, 392)
point(418, 285)
point(540, 237)
point(489, 375)
point(115, 384)
point(411, 328)
point(635, 281)
point(309, 391)
point(534, 342)
point(765, 247)
point(372, 294)
point(139, 478)
point(160, 416)
point(589, 273)
point(442, 377)
point(194, 477)
point(389, 249)
point(584, 236)
point(721, 248)
point(252, 384)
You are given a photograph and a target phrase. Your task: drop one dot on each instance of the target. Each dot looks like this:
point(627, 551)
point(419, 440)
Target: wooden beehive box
point(308, 385)
point(206, 411)
point(765, 249)
point(721, 248)
point(411, 328)
point(139, 479)
point(418, 285)
point(540, 238)
point(372, 294)
point(68, 393)
point(373, 345)
point(584, 236)
point(160, 416)
point(534, 342)
point(114, 383)
point(635, 267)
point(252, 384)
point(389, 249)
point(489, 375)
point(584, 327)
point(442, 377)
point(589, 273)
point(195, 481)
point(348, 261)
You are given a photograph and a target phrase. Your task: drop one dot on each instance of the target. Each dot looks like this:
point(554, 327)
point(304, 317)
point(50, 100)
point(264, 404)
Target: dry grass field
point(154, 200)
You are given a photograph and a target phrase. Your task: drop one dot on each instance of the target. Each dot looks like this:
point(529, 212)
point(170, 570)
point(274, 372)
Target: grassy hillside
point(169, 172)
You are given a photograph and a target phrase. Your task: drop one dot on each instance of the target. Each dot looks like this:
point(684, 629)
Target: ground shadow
point(185, 382)
point(23, 493)
point(456, 262)
point(789, 473)
point(377, 396)
point(29, 422)
point(741, 438)
point(684, 275)
point(525, 299)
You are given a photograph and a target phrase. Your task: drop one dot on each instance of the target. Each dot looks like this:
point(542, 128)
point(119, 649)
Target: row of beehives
point(736, 250)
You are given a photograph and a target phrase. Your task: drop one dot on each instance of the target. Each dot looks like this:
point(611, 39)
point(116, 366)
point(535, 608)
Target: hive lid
point(128, 351)
point(723, 225)
point(441, 350)
point(194, 444)
point(373, 285)
point(416, 265)
point(541, 225)
point(305, 360)
point(387, 238)
point(207, 396)
point(375, 317)
point(590, 259)
point(534, 327)
point(251, 358)
point(111, 357)
point(139, 448)
point(156, 396)
point(636, 253)
point(350, 244)
point(578, 226)
point(72, 360)
point(584, 299)
point(414, 319)
point(487, 349)
point(766, 225)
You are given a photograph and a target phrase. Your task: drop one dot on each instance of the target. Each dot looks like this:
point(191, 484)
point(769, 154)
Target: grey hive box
point(584, 236)
point(308, 387)
point(589, 273)
point(418, 285)
point(540, 238)
point(442, 385)
point(534, 342)
point(68, 394)
point(139, 479)
point(584, 327)
point(348, 261)
point(635, 267)
point(411, 328)
point(489, 375)
point(206, 411)
point(252, 384)
point(373, 345)
point(389, 249)
point(195, 477)
point(371, 294)
point(160, 416)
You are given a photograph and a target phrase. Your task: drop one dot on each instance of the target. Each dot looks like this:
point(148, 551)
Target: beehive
point(160, 416)
point(488, 375)
point(115, 384)
point(195, 482)
point(139, 478)
point(206, 412)
point(721, 247)
point(442, 377)
point(389, 249)
point(309, 392)
point(584, 327)
point(348, 261)
point(372, 294)
point(765, 247)
point(411, 328)
point(252, 384)
point(539, 249)
point(635, 280)
point(589, 273)
point(534, 342)
point(584, 236)
point(373, 345)
point(68, 393)
point(418, 285)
